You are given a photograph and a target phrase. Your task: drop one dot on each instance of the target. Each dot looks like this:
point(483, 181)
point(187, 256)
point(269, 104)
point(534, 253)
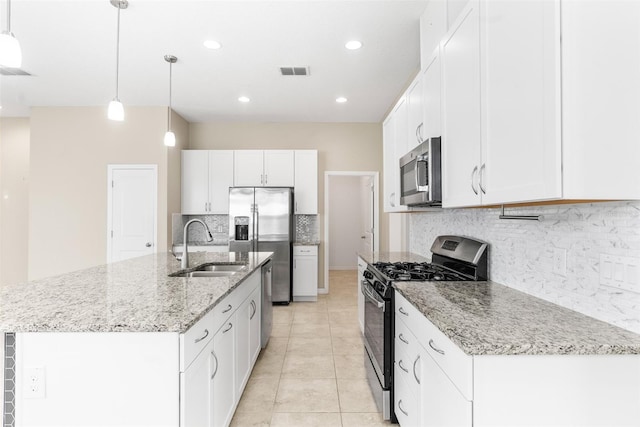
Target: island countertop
point(136, 295)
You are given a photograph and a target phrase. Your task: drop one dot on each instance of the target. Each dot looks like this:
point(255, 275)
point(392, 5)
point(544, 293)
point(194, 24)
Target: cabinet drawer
point(195, 339)
point(457, 365)
point(406, 343)
point(305, 250)
point(405, 403)
point(405, 369)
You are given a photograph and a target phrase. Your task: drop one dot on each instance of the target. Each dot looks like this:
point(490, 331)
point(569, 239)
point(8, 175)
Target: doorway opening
point(132, 211)
point(351, 219)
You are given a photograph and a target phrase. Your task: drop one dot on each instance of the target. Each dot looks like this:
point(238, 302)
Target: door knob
point(363, 237)
point(148, 245)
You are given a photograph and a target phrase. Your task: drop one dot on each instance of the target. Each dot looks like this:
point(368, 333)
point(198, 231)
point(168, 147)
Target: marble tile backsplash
point(521, 252)
point(218, 224)
point(307, 229)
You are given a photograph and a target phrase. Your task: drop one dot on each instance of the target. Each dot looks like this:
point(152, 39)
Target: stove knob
point(367, 274)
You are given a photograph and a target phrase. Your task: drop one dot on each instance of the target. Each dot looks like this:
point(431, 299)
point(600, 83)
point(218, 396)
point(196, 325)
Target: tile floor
point(312, 371)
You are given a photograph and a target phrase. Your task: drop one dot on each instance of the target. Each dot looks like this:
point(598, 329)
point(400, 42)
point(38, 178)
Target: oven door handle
point(367, 293)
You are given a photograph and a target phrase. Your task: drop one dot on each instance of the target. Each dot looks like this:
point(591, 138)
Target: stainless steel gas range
point(454, 258)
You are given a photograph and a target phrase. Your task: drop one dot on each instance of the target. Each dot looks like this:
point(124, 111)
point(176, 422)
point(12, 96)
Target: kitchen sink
point(211, 270)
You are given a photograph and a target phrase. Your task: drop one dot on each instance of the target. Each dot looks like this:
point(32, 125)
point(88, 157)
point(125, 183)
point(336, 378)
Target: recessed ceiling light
point(243, 99)
point(212, 44)
point(341, 100)
point(353, 45)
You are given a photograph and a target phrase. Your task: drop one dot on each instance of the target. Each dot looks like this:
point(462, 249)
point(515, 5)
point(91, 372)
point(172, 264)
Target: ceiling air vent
point(295, 71)
point(7, 71)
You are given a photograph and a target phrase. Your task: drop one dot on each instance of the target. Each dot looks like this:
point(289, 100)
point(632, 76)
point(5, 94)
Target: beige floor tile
point(276, 345)
point(306, 419)
point(311, 317)
point(307, 395)
point(355, 396)
point(251, 419)
point(259, 395)
point(345, 316)
point(298, 365)
point(320, 305)
point(347, 345)
point(268, 365)
point(310, 345)
point(344, 330)
point(310, 330)
point(349, 365)
point(282, 316)
point(280, 330)
point(364, 420)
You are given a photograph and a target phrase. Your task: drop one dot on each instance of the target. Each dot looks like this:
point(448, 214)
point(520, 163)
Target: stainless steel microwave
point(421, 175)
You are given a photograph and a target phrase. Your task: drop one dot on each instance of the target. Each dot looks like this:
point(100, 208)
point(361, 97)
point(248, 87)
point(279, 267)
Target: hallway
point(312, 371)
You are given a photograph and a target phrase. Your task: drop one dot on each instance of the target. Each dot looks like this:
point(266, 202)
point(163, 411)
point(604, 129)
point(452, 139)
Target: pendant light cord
point(170, 80)
point(118, 55)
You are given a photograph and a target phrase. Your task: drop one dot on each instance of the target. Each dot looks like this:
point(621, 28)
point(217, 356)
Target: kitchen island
point(126, 344)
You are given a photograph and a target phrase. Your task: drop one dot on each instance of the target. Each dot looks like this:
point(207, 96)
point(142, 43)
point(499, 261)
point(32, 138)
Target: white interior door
point(367, 212)
point(132, 212)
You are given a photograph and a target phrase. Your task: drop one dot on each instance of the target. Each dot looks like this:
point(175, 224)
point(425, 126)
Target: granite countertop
point(135, 295)
point(306, 243)
point(486, 318)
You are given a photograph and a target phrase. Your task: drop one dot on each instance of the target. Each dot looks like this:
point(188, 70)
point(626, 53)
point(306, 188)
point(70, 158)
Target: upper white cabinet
point(431, 88)
point(461, 152)
point(415, 130)
point(306, 182)
point(206, 178)
point(433, 27)
point(264, 168)
point(454, 9)
point(394, 143)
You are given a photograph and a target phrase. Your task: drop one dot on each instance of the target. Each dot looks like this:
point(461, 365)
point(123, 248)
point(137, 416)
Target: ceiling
point(69, 47)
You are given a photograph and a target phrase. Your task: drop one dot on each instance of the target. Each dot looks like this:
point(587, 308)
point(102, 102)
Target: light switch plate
point(620, 272)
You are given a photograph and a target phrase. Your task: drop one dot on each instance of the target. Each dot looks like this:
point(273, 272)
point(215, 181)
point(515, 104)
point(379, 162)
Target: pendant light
point(170, 137)
point(10, 52)
point(116, 110)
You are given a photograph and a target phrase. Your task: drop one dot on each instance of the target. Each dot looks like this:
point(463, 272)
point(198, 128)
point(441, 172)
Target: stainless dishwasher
point(267, 307)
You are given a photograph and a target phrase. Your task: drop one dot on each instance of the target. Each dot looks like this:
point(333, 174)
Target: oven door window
point(374, 310)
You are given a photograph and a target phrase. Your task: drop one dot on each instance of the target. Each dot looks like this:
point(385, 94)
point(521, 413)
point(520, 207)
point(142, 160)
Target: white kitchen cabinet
point(454, 9)
point(362, 266)
point(306, 182)
point(415, 129)
point(521, 133)
point(461, 153)
point(206, 178)
point(248, 339)
point(264, 168)
point(433, 27)
point(196, 389)
point(224, 374)
point(305, 273)
point(431, 98)
point(394, 145)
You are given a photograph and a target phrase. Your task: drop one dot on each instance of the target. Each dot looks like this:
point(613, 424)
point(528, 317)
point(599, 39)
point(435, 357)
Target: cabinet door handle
point(216, 360)
point(253, 305)
point(473, 175)
point(224, 331)
point(402, 367)
point(296, 207)
point(266, 179)
point(402, 338)
point(482, 168)
point(206, 334)
point(419, 133)
point(401, 310)
point(436, 349)
point(226, 310)
point(414, 369)
point(400, 407)
point(391, 200)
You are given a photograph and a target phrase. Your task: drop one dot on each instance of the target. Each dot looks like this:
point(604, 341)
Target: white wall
point(521, 252)
point(345, 221)
point(14, 199)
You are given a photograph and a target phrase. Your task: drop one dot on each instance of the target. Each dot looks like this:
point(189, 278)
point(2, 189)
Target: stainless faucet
point(185, 250)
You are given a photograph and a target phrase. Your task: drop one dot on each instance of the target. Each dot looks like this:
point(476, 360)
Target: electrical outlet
point(34, 382)
point(620, 272)
point(560, 261)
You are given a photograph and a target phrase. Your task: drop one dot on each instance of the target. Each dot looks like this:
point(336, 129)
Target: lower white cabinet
point(305, 273)
point(227, 344)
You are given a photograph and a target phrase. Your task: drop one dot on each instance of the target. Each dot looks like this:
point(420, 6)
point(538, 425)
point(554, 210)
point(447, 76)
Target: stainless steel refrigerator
point(261, 220)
